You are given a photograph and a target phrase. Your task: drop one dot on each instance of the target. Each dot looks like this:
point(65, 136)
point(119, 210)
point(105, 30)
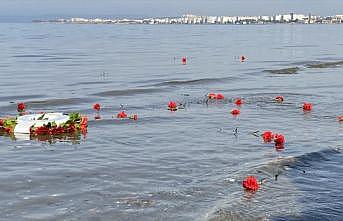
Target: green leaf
point(74, 117)
point(11, 122)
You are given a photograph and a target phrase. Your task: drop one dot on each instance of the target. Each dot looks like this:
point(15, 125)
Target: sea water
point(183, 165)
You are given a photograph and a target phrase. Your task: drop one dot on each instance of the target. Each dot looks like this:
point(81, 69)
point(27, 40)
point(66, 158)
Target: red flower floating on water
point(212, 96)
point(267, 136)
point(279, 141)
point(340, 118)
point(279, 99)
point(122, 114)
point(242, 58)
point(235, 112)
point(21, 107)
point(172, 106)
point(250, 183)
point(239, 102)
point(97, 107)
point(307, 106)
point(134, 117)
point(220, 96)
point(184, 60)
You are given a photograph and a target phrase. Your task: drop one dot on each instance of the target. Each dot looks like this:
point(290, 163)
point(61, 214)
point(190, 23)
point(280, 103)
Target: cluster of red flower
point(69, 127)
point(278, 139)
point(214, 96)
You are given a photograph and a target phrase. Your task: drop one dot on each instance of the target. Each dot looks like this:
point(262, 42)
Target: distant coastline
point(197, 19)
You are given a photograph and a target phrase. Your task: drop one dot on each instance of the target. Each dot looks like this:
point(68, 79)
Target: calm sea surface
point(184, 165)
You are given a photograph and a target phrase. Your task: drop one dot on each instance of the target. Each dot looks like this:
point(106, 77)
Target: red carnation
point(220, 96)
point(267, 136)
point(41, 130)
point(134, 117)
point(97, 107)
point(9, 130)
point(235, 112)
point(279, 99)
point(307, 106)
point(1, 122)
point(250, 183)
point(21, 107)
point(172, 106)
point(184, 60)
point(122, 114)
point(57, 130)
point(212, 96)
point(279, 140)
point(238, 101)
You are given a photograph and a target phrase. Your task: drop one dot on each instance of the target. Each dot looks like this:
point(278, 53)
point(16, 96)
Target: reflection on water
point(74, 138)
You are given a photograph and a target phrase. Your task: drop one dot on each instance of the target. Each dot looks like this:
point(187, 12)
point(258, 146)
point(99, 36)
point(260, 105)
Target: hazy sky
point(55, 8)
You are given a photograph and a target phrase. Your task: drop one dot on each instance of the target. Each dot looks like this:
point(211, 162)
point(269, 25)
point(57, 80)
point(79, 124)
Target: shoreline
point(190, 19)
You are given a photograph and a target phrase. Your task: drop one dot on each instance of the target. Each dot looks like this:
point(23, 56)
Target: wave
point(89, 83)
point(55, 102)
point(278, 196)
point(128, 92)
point(290, 70)
point(305, 64)
point(193, 81)
point(325, 64)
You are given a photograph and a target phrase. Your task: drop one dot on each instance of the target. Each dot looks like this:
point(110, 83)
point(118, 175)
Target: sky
point(39, 9)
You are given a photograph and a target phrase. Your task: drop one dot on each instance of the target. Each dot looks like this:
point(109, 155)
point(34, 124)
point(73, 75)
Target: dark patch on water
point(33, 56)
point(57, 58)
point(320, 188)
point(286, 71)
point(287, 183)
point(333, 64)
